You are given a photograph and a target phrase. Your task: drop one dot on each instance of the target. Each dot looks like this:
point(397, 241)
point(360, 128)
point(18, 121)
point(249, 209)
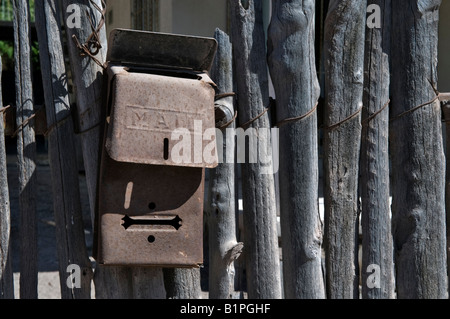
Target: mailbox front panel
point(150, 215)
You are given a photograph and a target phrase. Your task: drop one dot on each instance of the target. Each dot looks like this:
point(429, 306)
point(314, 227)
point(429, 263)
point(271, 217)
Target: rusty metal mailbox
point(150, 203)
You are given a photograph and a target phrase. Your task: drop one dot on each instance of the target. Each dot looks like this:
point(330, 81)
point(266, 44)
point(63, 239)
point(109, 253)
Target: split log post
point(344, 76)
point(26, 151)
point(376, 221)
point(260, 237)
point(6, 275)
point(293, 69)
point(71, 245)
point(221, 212)
point(446, 112)
point(182, 283)
point(418, 163)
point(148, 283)
point(110, 282)
point(87, 79)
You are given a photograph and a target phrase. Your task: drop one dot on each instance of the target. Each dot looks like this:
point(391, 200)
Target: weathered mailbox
point(150, 203)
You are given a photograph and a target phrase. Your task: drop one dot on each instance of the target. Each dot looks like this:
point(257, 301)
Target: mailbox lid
point(161, 120)
point(161, 49)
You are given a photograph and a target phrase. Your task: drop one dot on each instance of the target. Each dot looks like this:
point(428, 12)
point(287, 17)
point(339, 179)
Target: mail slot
point(151, 190)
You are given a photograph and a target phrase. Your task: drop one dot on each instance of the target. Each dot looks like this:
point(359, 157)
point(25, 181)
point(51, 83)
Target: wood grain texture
point(26, 150)
point(182, 283)
point(221, 212)
point(261, 241)
point(6, 275)
point(71, 245)
point(291, 57)
point(375, 189)
point(87, 79)
point(446, 113)
point(344, 76)
point(418, 163)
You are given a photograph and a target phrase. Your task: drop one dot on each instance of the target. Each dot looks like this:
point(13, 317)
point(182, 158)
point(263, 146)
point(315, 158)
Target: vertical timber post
point(258, 188)
point(344, 76)
point(6, 275)
point(375, 189)
point(182, 283)
point(71, 243)
point(221, 213)
point(446, 112)
point(292, 66)
point(26, 151)
point(418, 162)
point(87, 79)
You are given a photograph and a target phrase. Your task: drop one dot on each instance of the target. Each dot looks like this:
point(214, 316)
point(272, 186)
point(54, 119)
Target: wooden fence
point(354, 79)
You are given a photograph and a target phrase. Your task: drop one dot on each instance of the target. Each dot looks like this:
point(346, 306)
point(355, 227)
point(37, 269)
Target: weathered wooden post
point(87, 79)
point(344, 76)
point(182, 283)
point(26, 150)
point(376, 220)
point(221, 213)
point(260, 238)
point(446, 112)
point(418, 167)
point(6, 276)
point(293, 70)
point(71, 244)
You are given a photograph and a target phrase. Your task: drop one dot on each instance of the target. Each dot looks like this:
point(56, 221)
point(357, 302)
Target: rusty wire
point(248, 123)
point(4, 109)
point(57, 124)
point(224, 95)
point(371, 117)
point(27, 121)
point(415, 108)
point(298, 118)
point(219, 97)
point(347, 119)
point(227, 124)
point(441, 97)
point(93, 44)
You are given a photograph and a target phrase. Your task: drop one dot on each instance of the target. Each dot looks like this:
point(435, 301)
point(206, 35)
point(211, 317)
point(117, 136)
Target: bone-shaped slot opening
point(175, 222)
